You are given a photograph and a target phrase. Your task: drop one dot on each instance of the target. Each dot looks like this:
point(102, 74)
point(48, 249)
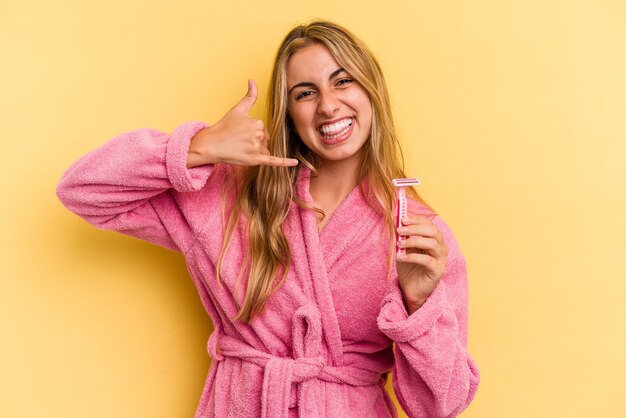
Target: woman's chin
point(339, 156)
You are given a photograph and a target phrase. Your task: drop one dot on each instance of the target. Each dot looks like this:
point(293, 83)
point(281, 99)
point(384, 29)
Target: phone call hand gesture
point(236, 139)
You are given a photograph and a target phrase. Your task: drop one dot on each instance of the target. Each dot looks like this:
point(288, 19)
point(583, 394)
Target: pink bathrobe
point(323, 347)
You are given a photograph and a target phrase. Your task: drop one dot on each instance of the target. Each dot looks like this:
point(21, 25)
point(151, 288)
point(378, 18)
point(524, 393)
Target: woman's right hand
point(236, 139)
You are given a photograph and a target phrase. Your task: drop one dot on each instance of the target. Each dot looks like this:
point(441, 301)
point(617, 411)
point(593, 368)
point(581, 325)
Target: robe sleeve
point(130, 183)
point(433, 374)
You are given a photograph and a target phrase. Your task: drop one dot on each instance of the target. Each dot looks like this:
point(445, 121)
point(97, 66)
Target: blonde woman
point(288, 233)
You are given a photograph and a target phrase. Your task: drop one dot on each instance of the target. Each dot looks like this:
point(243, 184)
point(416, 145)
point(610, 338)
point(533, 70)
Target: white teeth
point(336, 128)
point(338, 134)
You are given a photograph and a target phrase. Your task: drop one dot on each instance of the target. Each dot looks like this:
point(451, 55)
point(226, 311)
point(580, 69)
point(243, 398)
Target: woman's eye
point(304, 94)
point(344, 81)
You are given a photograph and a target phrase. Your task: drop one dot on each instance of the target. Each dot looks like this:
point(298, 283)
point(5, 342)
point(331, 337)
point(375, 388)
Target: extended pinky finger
point(278, 161)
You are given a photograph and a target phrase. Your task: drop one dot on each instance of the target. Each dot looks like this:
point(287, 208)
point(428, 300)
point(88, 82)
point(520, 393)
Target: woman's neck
point(333, 182)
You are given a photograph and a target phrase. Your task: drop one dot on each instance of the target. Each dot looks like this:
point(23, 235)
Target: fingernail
point(401, 242)
point(401, 256)
point(405, 219)
point(402, 230)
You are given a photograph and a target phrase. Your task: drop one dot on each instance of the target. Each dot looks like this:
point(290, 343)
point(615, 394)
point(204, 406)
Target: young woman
point(288, 234)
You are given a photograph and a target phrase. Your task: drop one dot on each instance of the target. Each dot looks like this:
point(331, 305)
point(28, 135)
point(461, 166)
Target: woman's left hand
point(423, 265)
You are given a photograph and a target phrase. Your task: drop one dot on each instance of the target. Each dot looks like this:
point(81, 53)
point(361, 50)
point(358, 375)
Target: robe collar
point(324, 249)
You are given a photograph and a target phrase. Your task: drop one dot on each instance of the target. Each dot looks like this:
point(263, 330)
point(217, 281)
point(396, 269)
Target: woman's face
point(331, 112)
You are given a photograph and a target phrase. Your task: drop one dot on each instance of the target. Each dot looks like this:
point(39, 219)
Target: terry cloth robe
point(324, 345)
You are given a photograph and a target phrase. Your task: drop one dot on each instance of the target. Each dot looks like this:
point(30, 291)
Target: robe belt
point(307, 368)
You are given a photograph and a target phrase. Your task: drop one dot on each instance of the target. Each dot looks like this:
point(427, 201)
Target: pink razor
point(402, 206)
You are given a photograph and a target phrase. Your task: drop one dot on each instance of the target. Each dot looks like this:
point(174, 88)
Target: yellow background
point(513, 115)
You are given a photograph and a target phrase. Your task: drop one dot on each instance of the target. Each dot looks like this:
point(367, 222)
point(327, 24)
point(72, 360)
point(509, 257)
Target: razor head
point(405, 182)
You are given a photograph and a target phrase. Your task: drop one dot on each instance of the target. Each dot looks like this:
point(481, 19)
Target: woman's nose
point(328, 104)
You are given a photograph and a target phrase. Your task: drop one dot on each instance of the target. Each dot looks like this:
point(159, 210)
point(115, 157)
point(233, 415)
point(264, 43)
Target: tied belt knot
point(307, 367)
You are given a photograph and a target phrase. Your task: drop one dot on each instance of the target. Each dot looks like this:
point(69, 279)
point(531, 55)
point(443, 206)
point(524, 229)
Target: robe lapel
point(318, 271)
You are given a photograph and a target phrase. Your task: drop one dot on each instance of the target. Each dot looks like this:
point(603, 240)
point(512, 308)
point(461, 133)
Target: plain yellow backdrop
point(513, 115)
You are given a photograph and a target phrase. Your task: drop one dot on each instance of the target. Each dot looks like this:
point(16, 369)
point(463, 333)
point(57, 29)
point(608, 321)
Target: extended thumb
point(249, 99)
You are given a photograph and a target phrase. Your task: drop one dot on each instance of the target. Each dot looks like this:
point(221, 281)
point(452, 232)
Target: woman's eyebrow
point(309, 84)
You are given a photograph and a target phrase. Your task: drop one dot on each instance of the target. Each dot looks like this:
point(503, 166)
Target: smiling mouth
point(337, 129)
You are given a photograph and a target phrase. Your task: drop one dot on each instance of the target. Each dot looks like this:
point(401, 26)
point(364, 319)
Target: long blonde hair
point(266, 193)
